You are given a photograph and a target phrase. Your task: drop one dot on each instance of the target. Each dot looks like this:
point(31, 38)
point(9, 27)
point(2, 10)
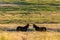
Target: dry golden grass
point(34, 17)
point(31, 35)
point(46, 25)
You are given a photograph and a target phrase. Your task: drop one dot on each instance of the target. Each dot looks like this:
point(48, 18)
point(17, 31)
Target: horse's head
point(27, 26)
point(34, 26)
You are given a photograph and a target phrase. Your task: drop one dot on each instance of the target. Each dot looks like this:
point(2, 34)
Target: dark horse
point(19, 28)
point(39, 28)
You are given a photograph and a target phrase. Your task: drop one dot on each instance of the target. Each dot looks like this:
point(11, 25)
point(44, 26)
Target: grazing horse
point(39, 28)
point(19, 28)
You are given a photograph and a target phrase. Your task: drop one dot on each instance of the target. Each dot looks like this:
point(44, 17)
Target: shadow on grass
point(24, 3)
point(14, 29)
point(54, 30)
point(7, 29)
point(28, 30)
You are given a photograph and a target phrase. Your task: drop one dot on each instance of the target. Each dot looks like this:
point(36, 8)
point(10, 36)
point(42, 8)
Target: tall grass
point(29, 36)
point(32, 17)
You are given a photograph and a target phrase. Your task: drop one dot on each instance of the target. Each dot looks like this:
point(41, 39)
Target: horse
point(39, 28)
point(20, 28)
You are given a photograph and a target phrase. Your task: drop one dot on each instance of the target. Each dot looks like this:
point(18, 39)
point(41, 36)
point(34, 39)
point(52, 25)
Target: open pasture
point(17, 17)
point(30, 35)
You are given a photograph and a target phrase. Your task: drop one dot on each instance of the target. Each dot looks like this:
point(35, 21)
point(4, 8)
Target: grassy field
point(30, 1)
point(29, 17)
point(25, 11)
point(30, 35)
point(48, 7)
point(21, 12)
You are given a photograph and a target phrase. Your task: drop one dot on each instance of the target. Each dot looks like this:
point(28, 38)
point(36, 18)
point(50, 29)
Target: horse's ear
point(27, 23)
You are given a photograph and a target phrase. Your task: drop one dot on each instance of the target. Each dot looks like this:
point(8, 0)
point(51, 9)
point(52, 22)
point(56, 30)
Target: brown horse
point(19, 28)
point(39, 28)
